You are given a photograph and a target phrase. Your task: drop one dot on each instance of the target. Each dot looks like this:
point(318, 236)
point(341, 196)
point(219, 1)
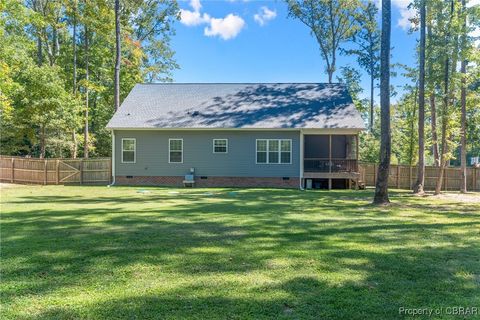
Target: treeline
point(451, 63)
point(57, 60)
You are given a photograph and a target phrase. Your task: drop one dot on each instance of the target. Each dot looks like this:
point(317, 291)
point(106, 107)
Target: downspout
point(301, 160)
point(113, 159)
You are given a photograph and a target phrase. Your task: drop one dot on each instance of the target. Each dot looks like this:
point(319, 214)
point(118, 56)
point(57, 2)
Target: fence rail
point(404, 177)
point(55, 171)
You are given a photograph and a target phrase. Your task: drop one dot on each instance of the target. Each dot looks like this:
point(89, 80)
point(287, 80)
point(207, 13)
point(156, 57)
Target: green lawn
point(98, 252)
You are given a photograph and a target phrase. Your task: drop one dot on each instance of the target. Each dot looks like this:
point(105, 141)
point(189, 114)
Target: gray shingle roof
point(236, 105)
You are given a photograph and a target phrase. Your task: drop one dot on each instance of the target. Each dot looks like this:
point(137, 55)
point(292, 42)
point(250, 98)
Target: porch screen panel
point(316, 146)
point(339, 148)
point(351, 147)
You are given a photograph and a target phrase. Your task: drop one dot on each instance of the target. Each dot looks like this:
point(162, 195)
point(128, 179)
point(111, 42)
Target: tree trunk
point(412, 126)
point(381, 186)
point(85, 143)
point(463, 98)
point(117, 55)
point(74, 42)
point(446, 98)
point(36, 7)
point(39, 51)
point(43, 146)
point(75, 144)
point(330, 74)
point(74, 85)
point(372, 89)
point(433, 120)
point(418, 188)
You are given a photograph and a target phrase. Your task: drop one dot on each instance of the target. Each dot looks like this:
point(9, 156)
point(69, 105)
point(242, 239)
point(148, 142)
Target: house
point(237, 134)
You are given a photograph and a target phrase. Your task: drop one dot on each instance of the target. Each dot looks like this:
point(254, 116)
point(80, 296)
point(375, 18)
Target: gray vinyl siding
point(152, 154)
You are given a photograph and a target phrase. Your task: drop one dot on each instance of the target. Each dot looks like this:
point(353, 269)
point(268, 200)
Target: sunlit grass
point(98, 252)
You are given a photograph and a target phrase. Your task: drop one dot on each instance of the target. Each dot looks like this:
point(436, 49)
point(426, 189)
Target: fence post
point(45, 172)
point(410, 177)
point(474, 178)
point(445, 175)
point(12, 178)
point(374, 174)
point(57, 169)
point(398, 177)
point(81, 171)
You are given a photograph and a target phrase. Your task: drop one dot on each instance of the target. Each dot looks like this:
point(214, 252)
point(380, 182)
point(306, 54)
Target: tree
point(450, 50)
point(381, 186)
point(117, 56)
point(432, 80)
point(330, 21)
point(368, 52)
point(50, 33)
point(463, 102)
point(418, 187)
point(44, 104)
point(85, 132)
point(74, 76)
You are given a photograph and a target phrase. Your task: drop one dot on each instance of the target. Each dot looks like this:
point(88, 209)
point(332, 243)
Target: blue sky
point(255, 41)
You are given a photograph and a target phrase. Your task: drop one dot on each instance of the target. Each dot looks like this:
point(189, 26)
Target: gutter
point(113, 159)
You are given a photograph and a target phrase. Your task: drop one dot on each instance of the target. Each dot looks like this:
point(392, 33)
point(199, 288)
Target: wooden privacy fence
point(98, 171)
point(55, 171)
point(404, 177)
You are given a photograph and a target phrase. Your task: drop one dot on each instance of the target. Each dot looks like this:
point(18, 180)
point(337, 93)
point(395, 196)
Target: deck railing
point(330, 165)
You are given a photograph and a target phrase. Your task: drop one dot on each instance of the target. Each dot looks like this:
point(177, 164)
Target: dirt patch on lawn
point(473, 197)
point(4, 185)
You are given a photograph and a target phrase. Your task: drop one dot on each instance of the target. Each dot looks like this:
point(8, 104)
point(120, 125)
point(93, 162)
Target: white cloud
point(473, 3)
point(226, 28)
point(196, 5)
point(404, 21)
point(406, 13)
point(264, 15)
point(193, 18)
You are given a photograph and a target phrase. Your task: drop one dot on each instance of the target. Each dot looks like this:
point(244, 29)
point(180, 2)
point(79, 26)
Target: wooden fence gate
point(55, 171)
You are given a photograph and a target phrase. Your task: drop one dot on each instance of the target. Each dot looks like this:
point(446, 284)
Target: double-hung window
point(220, 145)
point(274, 151)
point(129, 147)
point(175, 150)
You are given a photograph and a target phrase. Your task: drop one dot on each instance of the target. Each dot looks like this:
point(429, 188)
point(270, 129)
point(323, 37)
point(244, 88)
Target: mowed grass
point(117, 253)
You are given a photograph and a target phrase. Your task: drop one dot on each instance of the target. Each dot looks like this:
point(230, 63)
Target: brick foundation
point(243, 182)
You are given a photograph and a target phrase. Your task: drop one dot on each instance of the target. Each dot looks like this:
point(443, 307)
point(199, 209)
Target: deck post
point(330, 160)
point(356, 153)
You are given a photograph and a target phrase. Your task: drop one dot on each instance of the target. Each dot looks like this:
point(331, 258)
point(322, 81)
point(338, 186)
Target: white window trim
point(226, 145)
point(134, 150)
point(279, 151)
point(174, 150)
